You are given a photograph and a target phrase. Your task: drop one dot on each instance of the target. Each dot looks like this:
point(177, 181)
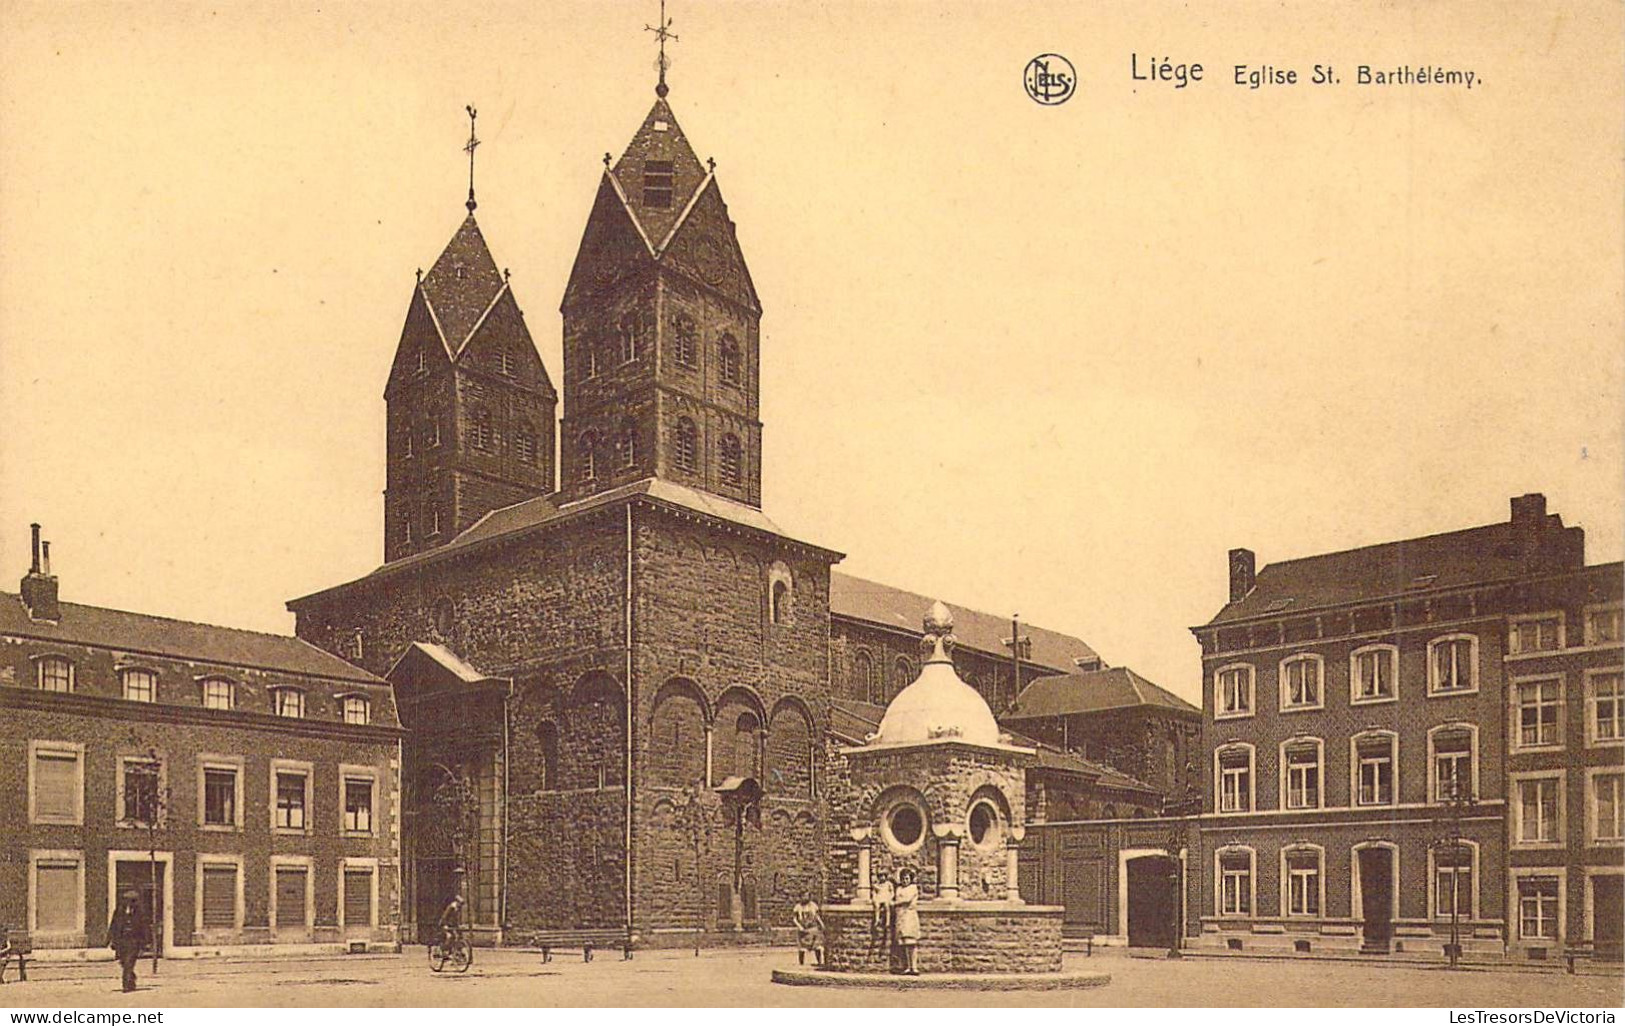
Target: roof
point(1094, 691)
point(462, 285)
point(659, 138)
point(443, 658)
point(858, 599)
point(182, 639)
point(534, 513)
point(1415, 566)
point(855, 721)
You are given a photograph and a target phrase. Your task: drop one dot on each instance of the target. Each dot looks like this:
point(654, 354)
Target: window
point(355, 709)
point(58, 898)
point(1303, 881)
point(1372, 674)
point(218, 886)
point(1603, 798)
point(1453, 665)
point(1543, 633)
point(781, 602)
point(140, 685)
point(406, 442)
point(685, 340)
point(1235, 778)
point(733, 461)
point(524, 445)
point(588, 458)
point(626, 447)
point(1606, 713)
point(904, 828)
point(1453, 887)
point(1537, 811)
point(1374, 762)
point(54, 673)
point(434, 520)
point(1300, 774)
point(505, 360)
point(1235, 884)
point(547, 736)
point(683, 446)
point(1537, 908)
point(220, 796)
point(56, 783)
point(864, 679)
point(289, 702)
point(423, 359)
point(432, 438)
point(984, 825)
point(357, 648)
point(1603, 625)
point(902, 674)
point(1233, 692)
point(733, 371)
point(480, 430)
point(657, 184)
point(406, 529)
point(634, 328)
point(1452, 755)
point(357, 805)
point(357, 904)
point(218, 693)
point(1300, 683)
point(592, 360)
point(1537, 705)
point(292, 799)
point(140, 787)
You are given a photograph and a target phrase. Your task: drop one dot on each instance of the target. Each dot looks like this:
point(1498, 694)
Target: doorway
point(437, 881)
point(1377, 898)
point(1607, 915)
point(138, 876)
point(1153, 901)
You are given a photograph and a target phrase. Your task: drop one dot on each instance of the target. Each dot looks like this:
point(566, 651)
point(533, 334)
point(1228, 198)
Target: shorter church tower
point(470, 405)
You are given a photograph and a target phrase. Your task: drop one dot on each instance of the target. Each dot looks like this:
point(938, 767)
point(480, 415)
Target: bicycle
point(455, 955)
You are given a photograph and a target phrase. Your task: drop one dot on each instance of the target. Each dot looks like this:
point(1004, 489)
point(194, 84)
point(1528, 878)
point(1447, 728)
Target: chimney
point(1528, 523)
point(1243, 569)
point(39, 587)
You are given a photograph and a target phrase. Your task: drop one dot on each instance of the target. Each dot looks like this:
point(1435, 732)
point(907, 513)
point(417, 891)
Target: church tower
point(470, 405)
point(661, 329)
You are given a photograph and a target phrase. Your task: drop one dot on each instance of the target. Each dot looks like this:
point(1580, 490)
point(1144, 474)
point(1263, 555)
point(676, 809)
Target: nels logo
point(1050, 79)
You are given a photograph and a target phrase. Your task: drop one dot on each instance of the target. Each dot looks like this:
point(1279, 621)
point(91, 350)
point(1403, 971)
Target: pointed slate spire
point(462, 283)
point(659, 172)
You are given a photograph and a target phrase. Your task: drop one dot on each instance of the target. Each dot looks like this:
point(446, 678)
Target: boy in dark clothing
point(127, 934)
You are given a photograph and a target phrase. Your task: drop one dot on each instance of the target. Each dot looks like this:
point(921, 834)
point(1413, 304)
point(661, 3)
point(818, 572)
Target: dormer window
point(54, 673)
point(288, 703)
point(218, 693)
point(657, 184)
point(140, 685)
point(355, 709)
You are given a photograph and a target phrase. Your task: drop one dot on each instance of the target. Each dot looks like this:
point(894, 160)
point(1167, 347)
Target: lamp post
point(1459, 803)
point(741, 799)
point(151, 801)
point(696, 819)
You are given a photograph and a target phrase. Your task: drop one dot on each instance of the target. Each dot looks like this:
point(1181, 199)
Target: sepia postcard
point(750, 505)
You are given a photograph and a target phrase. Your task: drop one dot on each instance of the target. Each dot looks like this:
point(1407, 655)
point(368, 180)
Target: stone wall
point(990, 937)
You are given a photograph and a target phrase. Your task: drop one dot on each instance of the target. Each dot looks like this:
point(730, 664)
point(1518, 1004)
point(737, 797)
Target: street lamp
point(741, 800)
point(1459, 803)
point(151, 801)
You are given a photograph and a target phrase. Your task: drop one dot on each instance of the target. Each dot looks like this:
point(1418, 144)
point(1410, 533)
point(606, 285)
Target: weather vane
point(662, 32)
point(469, 149)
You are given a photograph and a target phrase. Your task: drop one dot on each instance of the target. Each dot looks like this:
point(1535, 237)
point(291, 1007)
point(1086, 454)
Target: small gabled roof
point(1094, 691)
point(428, 661)
point(141, 633)
point(463, 285)
point(859, 599)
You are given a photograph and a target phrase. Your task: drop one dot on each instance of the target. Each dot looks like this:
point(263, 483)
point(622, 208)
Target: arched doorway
point(1153, 901)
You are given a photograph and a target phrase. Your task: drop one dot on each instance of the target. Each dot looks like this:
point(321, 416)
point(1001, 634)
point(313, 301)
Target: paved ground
point(510, 978)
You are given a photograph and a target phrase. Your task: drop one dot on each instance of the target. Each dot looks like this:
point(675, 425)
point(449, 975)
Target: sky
point(1046, 360)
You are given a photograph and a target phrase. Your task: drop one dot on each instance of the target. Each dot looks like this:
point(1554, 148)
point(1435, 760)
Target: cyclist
point(451, 924)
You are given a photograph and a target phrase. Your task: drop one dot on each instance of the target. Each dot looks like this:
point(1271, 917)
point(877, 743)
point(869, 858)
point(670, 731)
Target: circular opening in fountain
point(984, 825)
point(905, 827)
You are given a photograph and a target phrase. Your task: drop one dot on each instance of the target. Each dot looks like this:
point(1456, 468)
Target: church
point(623, 685)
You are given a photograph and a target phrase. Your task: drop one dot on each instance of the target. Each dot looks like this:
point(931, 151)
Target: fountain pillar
point(1012, 864)
point(861, 893)
point(947, 862)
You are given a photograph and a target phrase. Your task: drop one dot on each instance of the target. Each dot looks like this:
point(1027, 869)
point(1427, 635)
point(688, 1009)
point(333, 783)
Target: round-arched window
point(445, 617)
point(904, 827)
point(984, 824)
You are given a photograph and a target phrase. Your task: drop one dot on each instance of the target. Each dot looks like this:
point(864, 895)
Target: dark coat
point(129, 931)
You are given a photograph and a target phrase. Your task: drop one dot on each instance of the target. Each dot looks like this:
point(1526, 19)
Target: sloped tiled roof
point(859, 599)
point(181, 639)
point(462, 284)
point(1094, 691)
point(533, 513)
point(1414, 566)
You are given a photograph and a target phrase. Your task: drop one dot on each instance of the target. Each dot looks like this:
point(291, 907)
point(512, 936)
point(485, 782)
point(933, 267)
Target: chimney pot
point(33, 567)
point(45, 558)
point(1243, 571)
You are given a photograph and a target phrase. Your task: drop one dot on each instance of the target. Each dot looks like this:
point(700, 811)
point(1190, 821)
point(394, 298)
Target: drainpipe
point(627, 775)
point(502, 898)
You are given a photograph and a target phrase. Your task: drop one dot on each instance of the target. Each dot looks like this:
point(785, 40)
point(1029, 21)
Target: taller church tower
point(661, 329)
point(470, 405)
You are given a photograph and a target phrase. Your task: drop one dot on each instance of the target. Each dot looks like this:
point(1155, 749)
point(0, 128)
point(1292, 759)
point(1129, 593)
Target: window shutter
point(56, 897)
point(357, 897)
point(56, 781)
point(220, 897)
point(290, 898)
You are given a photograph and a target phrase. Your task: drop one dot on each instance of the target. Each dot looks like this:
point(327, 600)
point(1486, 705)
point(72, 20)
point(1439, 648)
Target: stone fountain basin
point(956, 937)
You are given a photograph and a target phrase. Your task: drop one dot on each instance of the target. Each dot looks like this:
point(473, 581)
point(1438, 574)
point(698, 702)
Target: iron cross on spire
point(469, 149)
point(662, 33)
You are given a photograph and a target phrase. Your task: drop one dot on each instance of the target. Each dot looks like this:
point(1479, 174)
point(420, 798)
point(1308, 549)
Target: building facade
point(244, 784)
point(1387, 753)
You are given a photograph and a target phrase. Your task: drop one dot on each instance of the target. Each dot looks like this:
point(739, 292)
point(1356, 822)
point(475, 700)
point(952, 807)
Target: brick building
point(266, 767)
point(1365, 709)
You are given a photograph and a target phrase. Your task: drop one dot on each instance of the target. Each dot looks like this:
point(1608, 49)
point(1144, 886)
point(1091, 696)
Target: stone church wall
point(894, 656)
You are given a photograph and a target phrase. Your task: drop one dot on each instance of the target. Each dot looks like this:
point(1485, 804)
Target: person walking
point(128, 934)
point(906, 920)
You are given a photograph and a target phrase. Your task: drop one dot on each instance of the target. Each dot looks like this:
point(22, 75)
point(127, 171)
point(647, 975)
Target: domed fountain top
point(938, 706)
